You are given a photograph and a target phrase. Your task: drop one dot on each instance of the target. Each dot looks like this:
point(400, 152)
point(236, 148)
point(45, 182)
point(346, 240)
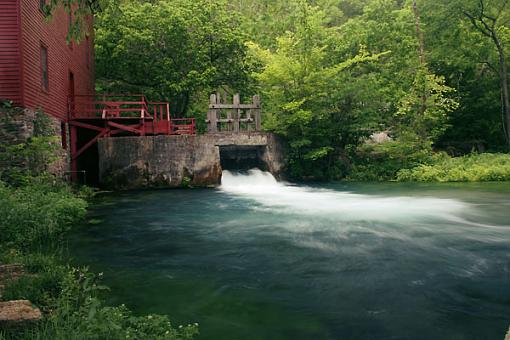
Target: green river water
point(258, 259)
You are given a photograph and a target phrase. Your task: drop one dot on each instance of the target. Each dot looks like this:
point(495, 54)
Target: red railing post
point(168, 118)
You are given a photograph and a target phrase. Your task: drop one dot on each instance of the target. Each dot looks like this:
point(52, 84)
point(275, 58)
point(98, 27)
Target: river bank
point(68, 301)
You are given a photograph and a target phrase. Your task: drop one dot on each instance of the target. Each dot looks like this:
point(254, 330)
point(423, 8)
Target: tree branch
point(476, 25)
point(488, 63)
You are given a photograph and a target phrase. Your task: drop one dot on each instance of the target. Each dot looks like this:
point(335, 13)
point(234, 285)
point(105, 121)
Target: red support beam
point(86, 126)
point(129, 128)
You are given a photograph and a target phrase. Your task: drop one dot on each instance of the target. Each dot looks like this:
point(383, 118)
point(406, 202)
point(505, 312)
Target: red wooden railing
point(183, 126)
point(108, 106)
point(155, 116)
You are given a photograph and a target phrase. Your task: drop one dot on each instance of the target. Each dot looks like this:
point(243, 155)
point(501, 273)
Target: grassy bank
point(35, 218)
point(471, 168)
point(416, 162)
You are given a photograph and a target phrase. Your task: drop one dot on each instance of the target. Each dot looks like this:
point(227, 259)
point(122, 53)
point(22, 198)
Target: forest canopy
point(432, 75)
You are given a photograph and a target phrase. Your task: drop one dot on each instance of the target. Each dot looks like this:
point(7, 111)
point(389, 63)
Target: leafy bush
point(471, 168)
point(382, 162)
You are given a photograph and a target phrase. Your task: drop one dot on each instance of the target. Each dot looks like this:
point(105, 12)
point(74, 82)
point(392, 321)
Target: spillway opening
point(242, 158)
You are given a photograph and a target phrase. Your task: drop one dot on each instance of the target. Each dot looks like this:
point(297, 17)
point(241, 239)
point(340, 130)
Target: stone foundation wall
point(18, 125)
point(176, 161)
point(61, 165)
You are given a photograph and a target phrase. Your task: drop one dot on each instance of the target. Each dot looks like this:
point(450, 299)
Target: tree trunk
point(505, 99)
point(421, 53)
point(419, 32)
point(487, 25)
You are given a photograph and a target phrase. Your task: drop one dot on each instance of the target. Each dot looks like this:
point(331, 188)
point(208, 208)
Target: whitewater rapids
point(264, 189)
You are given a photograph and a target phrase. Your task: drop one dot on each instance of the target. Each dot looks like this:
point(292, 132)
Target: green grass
point(38, 214)
point(483, 167)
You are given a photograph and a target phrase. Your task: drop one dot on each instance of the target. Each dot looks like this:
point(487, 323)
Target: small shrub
point(382, 162)
point(186, 182)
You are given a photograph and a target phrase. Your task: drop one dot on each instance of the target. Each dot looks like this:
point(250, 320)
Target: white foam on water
point(266, 190)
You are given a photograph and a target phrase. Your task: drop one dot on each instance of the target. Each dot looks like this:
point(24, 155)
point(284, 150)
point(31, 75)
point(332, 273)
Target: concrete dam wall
point(176, 161)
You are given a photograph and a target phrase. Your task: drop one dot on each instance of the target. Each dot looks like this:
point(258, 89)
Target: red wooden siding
point(10, 52)
point(63, 59)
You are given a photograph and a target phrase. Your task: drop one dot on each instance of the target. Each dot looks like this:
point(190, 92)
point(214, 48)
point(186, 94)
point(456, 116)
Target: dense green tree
point(314, 97)
point(469, 61)
point(169, 50)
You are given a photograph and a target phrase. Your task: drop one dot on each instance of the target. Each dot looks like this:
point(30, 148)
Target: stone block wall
point(18, 125)
point(176, 161)
point(157, 161)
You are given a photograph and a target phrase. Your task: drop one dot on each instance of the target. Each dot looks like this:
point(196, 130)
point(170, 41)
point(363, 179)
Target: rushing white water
point(267, 191)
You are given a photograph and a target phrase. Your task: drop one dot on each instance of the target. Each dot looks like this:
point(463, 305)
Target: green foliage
point(80, 314)
point(21, 162)
point(330, 72)
point(469, 61)
point(170, 50)
point(382, 162)
point(71, 300)
point(42, 125)
point(186, 182)
point(37, 213)
point(41, 284)
point(451, 101)
point(425, 108)
point(415, 161)
point(35, 216)
point(470, 168)
point(296, 82)
point(5, 103)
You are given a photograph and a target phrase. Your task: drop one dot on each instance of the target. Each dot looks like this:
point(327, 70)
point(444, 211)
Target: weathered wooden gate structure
point(234, 117)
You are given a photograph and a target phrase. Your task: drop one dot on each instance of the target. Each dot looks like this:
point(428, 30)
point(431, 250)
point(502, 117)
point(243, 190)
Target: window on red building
point(44, 69)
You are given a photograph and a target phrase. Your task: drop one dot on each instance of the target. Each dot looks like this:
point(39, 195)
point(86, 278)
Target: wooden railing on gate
point(235, 117)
